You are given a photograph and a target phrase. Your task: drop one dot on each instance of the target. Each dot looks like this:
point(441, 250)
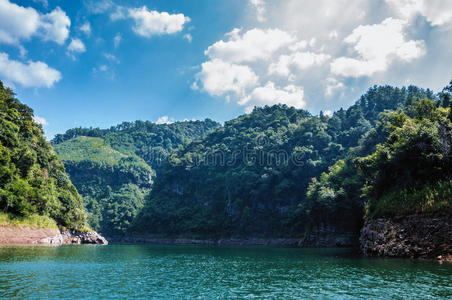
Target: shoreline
point(340, 241)
point(26, 235)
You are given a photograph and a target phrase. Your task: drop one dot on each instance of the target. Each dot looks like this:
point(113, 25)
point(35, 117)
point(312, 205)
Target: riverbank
point(323, 239)
point(414, 236)
point(26, 235)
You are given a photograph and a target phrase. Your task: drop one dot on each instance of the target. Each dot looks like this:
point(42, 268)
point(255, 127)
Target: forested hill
point(276, 172)
point(113, 169)
point(33, 181)
point(150, 141)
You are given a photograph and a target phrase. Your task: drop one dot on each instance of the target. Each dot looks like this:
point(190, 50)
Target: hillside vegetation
point(113, 169)
point(33, 181)
point(278, 171)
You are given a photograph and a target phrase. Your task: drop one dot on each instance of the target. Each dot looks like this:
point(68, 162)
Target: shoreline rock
point(15, 235)
point(414, 236)
point(71, 237)
point(312, 241)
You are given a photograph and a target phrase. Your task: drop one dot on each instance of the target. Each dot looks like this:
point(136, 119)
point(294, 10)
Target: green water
point(149, 271)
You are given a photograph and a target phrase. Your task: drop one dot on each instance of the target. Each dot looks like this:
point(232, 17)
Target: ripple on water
point(146, 271)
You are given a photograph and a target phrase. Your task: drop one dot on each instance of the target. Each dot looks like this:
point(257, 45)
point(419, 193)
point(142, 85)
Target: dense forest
point(113, 169)
point(33, 180)
point(276, 172)
point(279, 171)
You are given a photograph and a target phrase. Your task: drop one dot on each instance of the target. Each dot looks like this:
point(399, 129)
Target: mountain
point(113, 169)
point(33, 181)
point(260, 174)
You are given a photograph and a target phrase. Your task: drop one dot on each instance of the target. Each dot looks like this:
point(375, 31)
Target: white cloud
point(437, 12)
point(40, 120)
point(377, 45)
point(188, 37)
point(76, 46)
point(117, 40)
point(164, 120)
point(259, 5)
point(255, 44)
point(405, 8)
point(151, 22)
point(327, 41)
point(17, 22)
point(270, 94)
point(55, 26)
point(30, 74)
point(332, 86)
point(86, 28)
point(20, 23)
point(301, 45)
point(220, 78)
point(298, 60)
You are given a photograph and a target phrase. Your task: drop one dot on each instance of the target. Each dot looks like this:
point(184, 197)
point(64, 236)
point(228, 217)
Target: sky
point(97, 63)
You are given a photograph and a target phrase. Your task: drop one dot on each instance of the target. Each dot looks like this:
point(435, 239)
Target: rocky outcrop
point(409, 236)
point(83, 237)
point(16, 235)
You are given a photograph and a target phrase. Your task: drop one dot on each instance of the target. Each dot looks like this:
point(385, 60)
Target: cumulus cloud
point(152, 22)
point(30, 74)
point(221, 78)
point(86, 28)
point(21, 23)
point(164, 120)
point(377, 45)
point(270, 94)
point(298, 60)
point(40, 120)
point(76, 46)
point(327, 54)
point(437, 12)
point(255, 44)
point(241, 67)
point(55, 26)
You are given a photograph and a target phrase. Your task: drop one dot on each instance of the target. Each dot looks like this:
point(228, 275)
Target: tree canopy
point(32, 177)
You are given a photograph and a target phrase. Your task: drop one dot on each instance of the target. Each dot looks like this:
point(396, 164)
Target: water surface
point(203, 272)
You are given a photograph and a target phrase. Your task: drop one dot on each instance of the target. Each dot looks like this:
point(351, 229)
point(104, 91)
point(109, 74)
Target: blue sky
point(98, 63)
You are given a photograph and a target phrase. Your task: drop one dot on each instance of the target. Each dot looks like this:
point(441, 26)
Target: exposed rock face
point(15, 235)
point(83, 237)
point(411, 236)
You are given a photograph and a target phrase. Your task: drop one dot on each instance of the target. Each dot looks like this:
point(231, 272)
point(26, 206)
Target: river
point(203, 272)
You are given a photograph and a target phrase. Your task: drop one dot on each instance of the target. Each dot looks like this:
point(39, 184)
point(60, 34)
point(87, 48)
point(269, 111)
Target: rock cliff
point(415, 236)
